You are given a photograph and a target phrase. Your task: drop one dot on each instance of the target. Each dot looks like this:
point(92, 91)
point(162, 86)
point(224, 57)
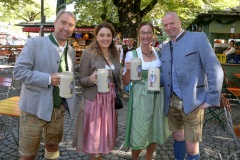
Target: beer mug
point(154, 79)
point(102, 80)
point(136, 69)
point(66, 84)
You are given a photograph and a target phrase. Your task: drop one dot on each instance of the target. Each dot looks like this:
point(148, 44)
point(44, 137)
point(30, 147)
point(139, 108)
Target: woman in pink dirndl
point(96, 127)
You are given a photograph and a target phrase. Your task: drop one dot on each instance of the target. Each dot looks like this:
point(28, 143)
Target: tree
point(188, 10)
point(88, 14)
point(26, 10)
point(131, 13)
point(127, 14)
point(9, 4)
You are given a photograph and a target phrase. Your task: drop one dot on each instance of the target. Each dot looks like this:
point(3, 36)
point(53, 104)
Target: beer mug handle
point(96, 73)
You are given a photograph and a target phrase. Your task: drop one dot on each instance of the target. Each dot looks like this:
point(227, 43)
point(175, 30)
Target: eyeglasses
point(146, 33)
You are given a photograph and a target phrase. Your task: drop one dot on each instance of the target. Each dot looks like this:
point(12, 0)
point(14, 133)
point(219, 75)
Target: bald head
point(172, 25)
point(172, 14)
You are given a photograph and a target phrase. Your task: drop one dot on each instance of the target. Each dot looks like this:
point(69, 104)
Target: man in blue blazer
point(192, 77)
point(38, 67)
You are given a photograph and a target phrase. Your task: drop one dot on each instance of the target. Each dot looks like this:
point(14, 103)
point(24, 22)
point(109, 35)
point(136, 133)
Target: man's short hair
point(232, 41)
point(62, 11)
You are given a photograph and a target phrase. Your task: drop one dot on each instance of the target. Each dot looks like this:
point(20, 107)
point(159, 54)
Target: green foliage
point(25, 10)
point(10, 3)
point(91, 12)
point(187, 9)
point(126, 14)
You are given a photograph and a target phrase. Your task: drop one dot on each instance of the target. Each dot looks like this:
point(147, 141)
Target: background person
point(155, 42)
point(96, 127)
point(191, 88)
point(37, 67)
point(123, 53)
point(146, 124)
point(130, 43)
point(231, 49)
point(230, 52)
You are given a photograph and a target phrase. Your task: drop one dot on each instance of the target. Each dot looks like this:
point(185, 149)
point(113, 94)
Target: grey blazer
point(37, 61)
point(198, 71)
point(89, 64)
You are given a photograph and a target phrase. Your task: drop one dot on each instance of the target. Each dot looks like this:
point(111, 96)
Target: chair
point(11, 59)
point(6, 122)
point(9, 62)
point(5, 84)
point(9, 118)
point(226, 82)
point(216, 111)
point(233, 128)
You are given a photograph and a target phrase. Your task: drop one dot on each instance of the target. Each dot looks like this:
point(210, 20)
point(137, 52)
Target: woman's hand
point(126, 77)
point(128, 65)
point(93, 77)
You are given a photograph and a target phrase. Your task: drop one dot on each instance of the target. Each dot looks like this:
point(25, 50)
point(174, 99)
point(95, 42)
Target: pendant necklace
point(147, 54)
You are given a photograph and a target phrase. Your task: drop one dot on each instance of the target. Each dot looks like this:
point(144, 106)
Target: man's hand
point(55, 79)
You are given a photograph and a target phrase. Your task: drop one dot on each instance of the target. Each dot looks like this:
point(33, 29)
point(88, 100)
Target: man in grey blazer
point(192, 79)
point(38, 67)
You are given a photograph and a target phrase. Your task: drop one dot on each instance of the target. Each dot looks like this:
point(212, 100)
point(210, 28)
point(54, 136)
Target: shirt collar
point(130, 47)
point(179, 36)
point(62, 47)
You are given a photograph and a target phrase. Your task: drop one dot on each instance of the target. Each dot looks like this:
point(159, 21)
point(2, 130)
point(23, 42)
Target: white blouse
point(145, 65)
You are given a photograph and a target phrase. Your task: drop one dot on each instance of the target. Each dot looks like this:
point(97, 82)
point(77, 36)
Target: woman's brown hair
point(94, 47)
point(144, 23)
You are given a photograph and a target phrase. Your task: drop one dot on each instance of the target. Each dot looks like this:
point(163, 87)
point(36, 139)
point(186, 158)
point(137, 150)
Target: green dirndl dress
point(146, 122)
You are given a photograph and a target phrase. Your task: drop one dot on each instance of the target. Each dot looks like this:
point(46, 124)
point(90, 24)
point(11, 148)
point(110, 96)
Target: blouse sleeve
point(129, 56)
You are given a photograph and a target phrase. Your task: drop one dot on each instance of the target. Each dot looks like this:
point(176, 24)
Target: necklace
point(147, 54)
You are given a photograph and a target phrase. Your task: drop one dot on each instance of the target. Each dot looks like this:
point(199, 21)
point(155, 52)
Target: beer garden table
point(9, 110)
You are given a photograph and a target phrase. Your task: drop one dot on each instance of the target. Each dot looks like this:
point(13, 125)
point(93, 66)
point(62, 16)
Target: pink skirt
point(96, 126)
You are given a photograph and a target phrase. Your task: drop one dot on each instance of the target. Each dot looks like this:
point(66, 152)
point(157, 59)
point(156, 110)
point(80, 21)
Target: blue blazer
point(198, 71)
point(37, 61)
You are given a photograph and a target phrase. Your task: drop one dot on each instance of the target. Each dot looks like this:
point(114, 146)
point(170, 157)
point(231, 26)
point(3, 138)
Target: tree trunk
point(130, 16)
point(129, 19)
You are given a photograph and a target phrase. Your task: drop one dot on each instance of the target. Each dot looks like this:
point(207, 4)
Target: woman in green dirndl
point(147, 125)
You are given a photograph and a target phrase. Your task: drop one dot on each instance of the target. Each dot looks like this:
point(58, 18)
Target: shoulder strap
point(134, 53)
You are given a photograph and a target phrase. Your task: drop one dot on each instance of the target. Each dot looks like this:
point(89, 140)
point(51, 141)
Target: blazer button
point(169, 73)
point(168, 85)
